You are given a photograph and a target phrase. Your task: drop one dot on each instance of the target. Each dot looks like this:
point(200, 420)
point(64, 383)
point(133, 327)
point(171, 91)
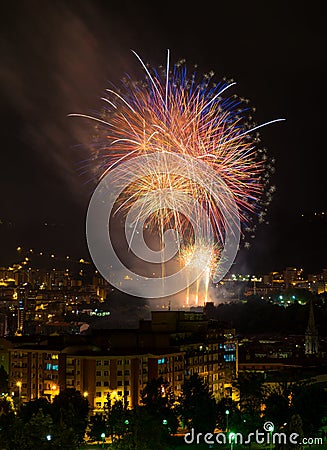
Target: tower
point(311, 334)
point(21, 297)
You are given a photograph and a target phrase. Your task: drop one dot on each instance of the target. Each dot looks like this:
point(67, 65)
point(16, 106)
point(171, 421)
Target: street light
point(49, 437)
point(54, 388)
point(270, 428)
point(113, 395)
point(103, 437)
point(19, 385)
point(227, 414)
point(165, 422)
point(231, 440)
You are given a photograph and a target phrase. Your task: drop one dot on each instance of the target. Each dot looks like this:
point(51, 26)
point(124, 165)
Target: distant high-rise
point(292, 275)
point(21, 297)
point(311, 334)
point(3, 325)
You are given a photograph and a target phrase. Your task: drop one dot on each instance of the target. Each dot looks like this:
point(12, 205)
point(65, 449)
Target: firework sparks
point(203, 259)
point(175, 113)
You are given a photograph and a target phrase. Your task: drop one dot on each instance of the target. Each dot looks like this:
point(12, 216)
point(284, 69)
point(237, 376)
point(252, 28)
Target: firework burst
point(173, 112)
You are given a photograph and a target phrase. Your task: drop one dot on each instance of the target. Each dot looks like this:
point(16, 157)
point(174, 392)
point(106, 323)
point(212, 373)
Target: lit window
point(230, 358)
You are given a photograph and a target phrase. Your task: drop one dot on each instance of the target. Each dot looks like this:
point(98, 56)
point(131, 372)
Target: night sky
point(59, 57)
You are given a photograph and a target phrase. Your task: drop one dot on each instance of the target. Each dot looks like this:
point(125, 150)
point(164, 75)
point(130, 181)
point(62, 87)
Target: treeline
point(39, 424)
point(258, 316)
point(64, 423)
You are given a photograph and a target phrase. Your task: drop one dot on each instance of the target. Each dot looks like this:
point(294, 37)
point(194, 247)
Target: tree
point(33, 428)
point(7, 416)
point(251, 390)
point(155, 396)
point(144, 432)
point(158, 400)
point(32, 407)
point(277, 409)
point(97, 427)
point(310, 402)
point(278, 403)
point(71, 409)
point(37, 431)
point(117, 414)
point(235, 419)
point(295, 426)
point(6, 406)
point(65, 438)
point(198, 407)
point(3, 380)
point(31, 435)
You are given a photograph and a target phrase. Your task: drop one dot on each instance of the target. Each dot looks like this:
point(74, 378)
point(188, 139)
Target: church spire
point(311, 322)
point(311, 334)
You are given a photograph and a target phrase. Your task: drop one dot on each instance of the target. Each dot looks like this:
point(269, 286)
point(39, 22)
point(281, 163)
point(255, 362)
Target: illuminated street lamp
point(54, 391)
point(231, 440)
point(227, 414)
point(270, 428)
point(103, 437)
point(19, 385)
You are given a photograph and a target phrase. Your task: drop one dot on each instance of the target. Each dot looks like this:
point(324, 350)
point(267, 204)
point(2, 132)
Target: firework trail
point(196, 258)
point(175, 117)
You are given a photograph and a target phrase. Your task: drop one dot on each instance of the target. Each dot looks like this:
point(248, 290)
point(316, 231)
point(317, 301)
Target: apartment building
point(117, 364)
